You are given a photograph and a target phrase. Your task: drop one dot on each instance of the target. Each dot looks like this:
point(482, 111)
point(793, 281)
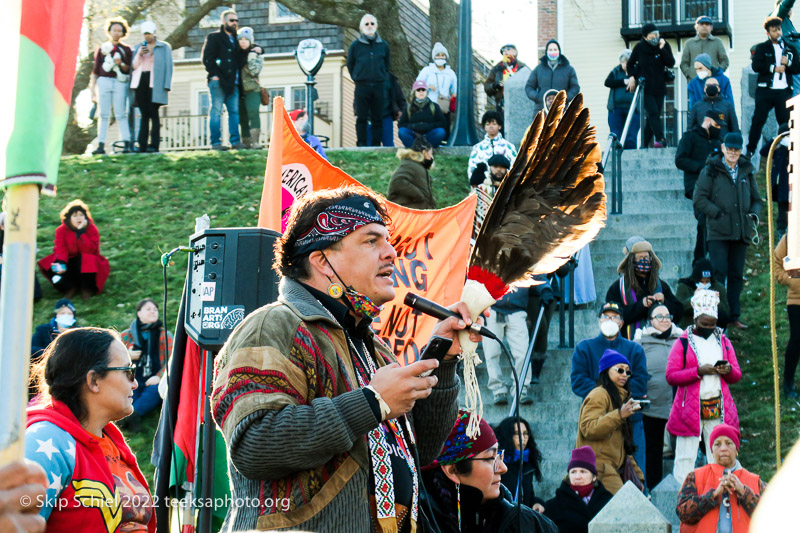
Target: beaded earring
point(458, 499)
point(335, 290)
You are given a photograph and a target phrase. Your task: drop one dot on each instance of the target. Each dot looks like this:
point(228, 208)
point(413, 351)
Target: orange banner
point(432, 246)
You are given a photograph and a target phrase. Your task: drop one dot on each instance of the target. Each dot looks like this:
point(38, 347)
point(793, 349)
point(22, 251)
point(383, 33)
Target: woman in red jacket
point(86, 382)
point(76, 263)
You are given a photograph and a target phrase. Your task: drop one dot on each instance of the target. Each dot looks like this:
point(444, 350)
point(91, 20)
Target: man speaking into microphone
point(312, 405)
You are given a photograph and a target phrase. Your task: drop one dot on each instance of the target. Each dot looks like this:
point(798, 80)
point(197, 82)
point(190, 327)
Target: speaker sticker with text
point(222, 317)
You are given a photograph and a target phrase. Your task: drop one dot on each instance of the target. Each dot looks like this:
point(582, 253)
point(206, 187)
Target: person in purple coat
point(702, 364)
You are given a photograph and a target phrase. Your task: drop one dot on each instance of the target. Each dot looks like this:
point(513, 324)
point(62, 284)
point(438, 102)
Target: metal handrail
point(563, 325)
point(615, 147)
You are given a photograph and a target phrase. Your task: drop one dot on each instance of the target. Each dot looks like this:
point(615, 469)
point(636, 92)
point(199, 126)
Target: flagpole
point(269, 213)
point(16, 307)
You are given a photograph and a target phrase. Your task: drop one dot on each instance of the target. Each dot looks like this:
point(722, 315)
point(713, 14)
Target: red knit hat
point(724, 430)
point(294, 114)
point(458, 447)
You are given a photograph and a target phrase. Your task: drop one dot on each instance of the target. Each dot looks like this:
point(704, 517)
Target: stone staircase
point(653, 207)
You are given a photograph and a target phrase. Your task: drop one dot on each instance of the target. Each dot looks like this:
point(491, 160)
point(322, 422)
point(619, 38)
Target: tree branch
point(180, 35)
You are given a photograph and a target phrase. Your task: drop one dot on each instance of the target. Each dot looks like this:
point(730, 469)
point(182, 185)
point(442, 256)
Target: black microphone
point(423, 305)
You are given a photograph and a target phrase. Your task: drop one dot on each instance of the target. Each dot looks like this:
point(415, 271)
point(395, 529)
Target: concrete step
point(654, 181)
point(610, 243)
point(612, 259)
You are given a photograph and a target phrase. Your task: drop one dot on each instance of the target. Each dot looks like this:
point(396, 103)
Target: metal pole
point(16, 303)
point(572, 305)
point(310, 102)
point(641, 114)
point(463, 133)
point(528, 355)
point(209, 435)
point(562, 333)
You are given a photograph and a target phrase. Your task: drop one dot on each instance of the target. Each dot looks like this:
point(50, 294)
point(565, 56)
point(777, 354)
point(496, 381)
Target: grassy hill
point(145, 204)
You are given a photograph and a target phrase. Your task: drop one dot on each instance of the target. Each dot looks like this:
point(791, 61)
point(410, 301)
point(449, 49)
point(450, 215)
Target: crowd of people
point(654, 382)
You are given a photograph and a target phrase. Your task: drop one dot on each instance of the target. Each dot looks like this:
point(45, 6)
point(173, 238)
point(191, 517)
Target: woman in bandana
point(702, 365)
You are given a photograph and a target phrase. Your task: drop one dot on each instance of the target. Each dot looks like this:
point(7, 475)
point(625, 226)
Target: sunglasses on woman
point(130, 371)
point(621, 370)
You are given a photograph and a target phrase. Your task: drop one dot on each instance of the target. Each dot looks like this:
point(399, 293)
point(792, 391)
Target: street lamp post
point(310, 54)
point(463, 133)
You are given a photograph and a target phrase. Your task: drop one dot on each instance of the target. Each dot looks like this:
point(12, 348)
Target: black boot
point(536, 369)
point(126, 147)
point(101, 149)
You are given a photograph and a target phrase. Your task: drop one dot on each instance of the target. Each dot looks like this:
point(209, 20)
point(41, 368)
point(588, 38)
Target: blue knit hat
point(611, 358)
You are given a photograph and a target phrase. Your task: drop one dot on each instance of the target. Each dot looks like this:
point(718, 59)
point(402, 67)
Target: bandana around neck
point(337, 222)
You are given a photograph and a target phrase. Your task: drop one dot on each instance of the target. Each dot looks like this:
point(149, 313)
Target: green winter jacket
point(411, 185)
point(727, 204)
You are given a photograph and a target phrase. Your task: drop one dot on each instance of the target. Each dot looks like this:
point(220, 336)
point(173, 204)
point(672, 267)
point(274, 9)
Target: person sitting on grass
point(421, 117)
point(149, 345)
point(76, 263)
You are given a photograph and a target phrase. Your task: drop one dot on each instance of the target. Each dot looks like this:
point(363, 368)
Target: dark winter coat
point(618, 96)
point(422, 118)
point(634, 313)
point(693, 150)
point(509, 480)
point(42, 337)
point(780, 174)
point(492, 85)
point(543, 78)
point(223, 58)
point(411, 185)
point(493, 516)
point(727, 204)
point(368, 60)
point(725, 110)
point(648, 62)
point(568, 511)
point(764, 60)
point(395, 100)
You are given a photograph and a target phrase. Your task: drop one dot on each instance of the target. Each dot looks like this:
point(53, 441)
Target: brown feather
point(551, 203)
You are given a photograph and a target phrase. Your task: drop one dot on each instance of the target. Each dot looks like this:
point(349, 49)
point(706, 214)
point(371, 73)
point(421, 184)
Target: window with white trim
point(280, 14)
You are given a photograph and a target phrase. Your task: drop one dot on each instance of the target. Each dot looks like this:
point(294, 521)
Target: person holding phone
point(152, 81)
point(149, 345)
point(605, 421)
point(702, 365)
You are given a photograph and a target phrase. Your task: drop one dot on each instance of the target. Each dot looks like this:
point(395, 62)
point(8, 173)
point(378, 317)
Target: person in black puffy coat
point(581, 495)
point(650, 59)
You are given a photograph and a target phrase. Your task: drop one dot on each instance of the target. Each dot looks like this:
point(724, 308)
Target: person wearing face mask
point(650, 59)
point(639, 287)
point(656, 340)
point(586, 358)
point(76, 263)
point(421, 117)
point(149, 345)
point(705, 70)
point(703, 43)
point(495, 81)
point(581, 494)
point(553, 72)
point(620, 96)
point(368, 61)
point(702, 278)
point(64, 318)
point(411, 184)
point(441, 81)
point(702, 365)
point(465, 490)
point(712, 100)
point(727, 194)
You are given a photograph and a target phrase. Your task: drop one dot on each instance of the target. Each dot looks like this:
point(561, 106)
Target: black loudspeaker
point(230, 276)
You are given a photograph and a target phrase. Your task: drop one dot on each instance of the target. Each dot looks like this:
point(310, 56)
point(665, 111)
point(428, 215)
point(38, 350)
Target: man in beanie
point(703, 43)
point(368, 62)
point(693, 150)
point(720, 496)
point(586, 363)
point(311, 403)
point(727, 194)
point(581, 495)
point(649, 60)
point(495, 81)
point(777, 64)
point(705, 72)
point(464, 487)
